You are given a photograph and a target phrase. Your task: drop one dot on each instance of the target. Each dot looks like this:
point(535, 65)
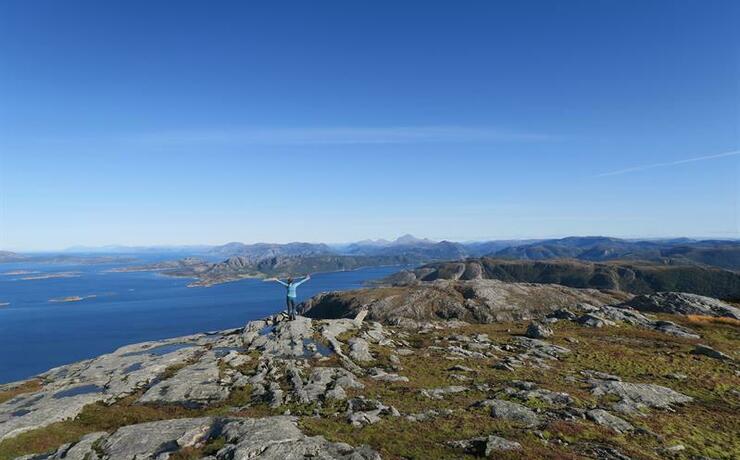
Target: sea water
point(37, 334)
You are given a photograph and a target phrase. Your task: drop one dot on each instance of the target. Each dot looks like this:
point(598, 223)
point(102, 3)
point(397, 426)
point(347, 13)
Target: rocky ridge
point(633, 276)
point(572, 379)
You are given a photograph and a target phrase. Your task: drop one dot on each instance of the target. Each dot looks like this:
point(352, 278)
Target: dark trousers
point(290, 303)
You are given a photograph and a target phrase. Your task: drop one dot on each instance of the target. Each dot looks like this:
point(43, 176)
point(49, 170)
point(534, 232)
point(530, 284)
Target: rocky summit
point(448, 369)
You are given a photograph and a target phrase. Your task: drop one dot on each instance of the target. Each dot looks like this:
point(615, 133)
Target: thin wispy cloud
point(669, 163)
point(341, 135)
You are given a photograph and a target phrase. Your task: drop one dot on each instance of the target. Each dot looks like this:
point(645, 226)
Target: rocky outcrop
point(637, 396)
point(346, 378)
point(107, 378)
point(484, 446)
point(706, 350)
point(265, 438)
point(195, 385)
point(538, 331)
point(683, 304)
point(477, 301)
point(511, 411)
point(605, 418)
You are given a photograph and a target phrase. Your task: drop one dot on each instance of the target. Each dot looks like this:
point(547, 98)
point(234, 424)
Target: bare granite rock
point(538, 331)
point(268, 438)
point(706, 350)
point(484, 446)
point(362, 411)
point(637, 396)
point(359, 350)
point(440, 393)
point(67, 389)
point(511, 411)
point(477, 301)
point(604, 418)
point(194, 385)
point(287, 338)
point(684, 304)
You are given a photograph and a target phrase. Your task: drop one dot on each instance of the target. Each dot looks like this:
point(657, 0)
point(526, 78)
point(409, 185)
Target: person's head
point(290, 280)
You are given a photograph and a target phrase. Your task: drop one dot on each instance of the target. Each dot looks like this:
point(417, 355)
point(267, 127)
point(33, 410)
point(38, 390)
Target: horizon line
point(72, 248)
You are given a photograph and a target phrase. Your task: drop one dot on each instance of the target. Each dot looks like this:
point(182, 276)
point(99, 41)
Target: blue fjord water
point(36, 334)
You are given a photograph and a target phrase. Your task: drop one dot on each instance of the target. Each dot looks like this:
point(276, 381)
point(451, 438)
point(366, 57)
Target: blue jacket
point(292, 286)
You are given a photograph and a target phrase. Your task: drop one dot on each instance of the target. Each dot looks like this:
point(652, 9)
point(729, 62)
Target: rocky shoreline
point(570, 381)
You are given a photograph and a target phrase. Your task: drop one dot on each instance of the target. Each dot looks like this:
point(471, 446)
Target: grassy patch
point(26, 387)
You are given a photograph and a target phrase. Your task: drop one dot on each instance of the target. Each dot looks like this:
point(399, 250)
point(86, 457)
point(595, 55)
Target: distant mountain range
point(298, 257)
point(259, 251)
point(637, 277)
point(719, 253)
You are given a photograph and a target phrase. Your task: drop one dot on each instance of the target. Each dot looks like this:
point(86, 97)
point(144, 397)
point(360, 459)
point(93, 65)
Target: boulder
point(359, 350)
point(604, 418)
point(512, 411)
point(709, 351)
point(594, 320)
point(484, 446)
point(361, 411)
point(538, 331)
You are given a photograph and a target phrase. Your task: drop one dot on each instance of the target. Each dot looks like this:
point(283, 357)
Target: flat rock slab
point(440, 393)
point(286, 338)
point(194, 385)
point(636, 396)
point(635, 318)
point(683, 304)
point(269, 438)
point(35, 410)
point(148, 440)
point(67, 389)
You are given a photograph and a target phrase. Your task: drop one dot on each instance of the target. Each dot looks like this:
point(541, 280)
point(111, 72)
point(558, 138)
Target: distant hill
point(259, 251)
point(239, 267)
point(7, 256)
point(409, 246)
point(637, 277)
point(715, 253)
point(724, 254)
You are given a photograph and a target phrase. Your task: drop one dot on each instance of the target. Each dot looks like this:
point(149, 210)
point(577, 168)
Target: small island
point(19, 272)
point(46, 276)
point(74, 298)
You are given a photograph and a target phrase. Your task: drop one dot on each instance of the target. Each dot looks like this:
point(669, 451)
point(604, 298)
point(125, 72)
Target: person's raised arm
point(276, 280)
point(308, 277)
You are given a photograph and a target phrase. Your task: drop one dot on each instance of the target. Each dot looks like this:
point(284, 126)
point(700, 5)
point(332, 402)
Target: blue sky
point(152, 122)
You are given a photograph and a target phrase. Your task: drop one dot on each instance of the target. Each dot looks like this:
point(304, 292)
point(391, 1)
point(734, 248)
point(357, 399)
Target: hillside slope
point(633, 277)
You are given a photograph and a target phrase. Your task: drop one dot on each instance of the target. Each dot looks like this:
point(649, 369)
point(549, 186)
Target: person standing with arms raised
point(291, 286)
